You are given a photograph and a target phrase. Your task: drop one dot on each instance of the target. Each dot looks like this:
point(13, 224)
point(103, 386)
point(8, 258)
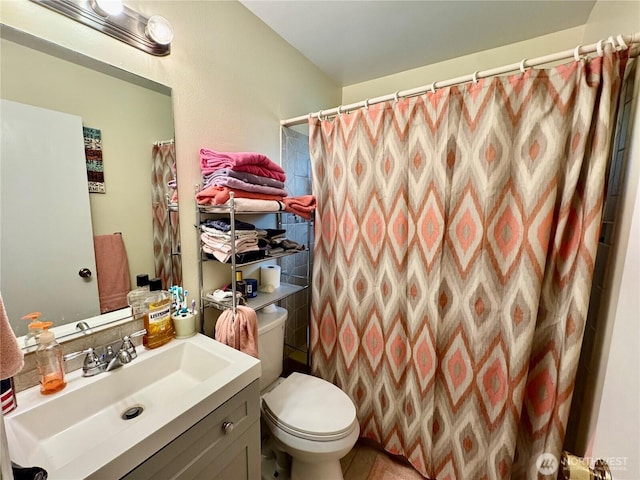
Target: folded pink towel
point(11, 356)
point(112, 268)
point(241, 333)
point(250, 162)
point(302, 206)
point(220, 195)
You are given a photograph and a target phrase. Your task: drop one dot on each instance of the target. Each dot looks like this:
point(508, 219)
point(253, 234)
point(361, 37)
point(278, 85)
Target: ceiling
point(358, 40)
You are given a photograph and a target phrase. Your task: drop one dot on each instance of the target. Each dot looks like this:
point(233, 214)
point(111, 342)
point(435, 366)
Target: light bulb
point(159, 30)
point(107, 8)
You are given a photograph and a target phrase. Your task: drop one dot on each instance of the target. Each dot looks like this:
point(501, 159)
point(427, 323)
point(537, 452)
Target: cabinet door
point(208, 448)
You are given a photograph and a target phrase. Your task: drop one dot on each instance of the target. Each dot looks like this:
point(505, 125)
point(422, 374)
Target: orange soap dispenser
point(50, 362)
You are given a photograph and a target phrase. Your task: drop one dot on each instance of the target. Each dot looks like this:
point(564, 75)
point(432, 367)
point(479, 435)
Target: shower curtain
point(455, 240)
point(163, 169)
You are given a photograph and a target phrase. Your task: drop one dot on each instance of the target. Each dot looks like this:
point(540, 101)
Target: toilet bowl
point(307, 417)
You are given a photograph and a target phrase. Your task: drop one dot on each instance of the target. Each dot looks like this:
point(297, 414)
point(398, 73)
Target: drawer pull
point(227, 427)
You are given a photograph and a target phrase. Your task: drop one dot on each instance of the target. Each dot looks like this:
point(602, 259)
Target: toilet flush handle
point(227, 427)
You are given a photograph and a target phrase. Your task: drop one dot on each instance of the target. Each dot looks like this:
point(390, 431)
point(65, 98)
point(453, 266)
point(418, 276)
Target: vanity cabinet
point(224, 445)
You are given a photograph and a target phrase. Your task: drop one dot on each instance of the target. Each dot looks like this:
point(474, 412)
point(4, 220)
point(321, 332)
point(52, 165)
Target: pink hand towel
point(241, 333)
point(249, 162)
point(11, 356)
point(302, 206)
point(112, 268)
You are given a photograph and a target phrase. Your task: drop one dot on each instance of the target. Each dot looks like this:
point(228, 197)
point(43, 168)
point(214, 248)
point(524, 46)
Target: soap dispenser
point(50, 362)
point(34, 327)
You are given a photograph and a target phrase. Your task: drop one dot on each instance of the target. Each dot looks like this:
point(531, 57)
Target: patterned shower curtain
point(163, 176)
point(455, 240)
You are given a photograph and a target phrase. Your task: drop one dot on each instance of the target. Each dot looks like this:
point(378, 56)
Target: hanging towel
point(241, 334)
point(302, 206)
point(112, 268)
point(12, 358)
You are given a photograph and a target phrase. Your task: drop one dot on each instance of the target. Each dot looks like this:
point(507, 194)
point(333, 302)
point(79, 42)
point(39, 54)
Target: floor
point(367, 462)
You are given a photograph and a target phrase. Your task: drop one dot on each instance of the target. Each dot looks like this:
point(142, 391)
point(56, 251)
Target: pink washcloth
point(241, 333)
point(248, 162)
point(302, 206)
point(112, 268)
point(11, 356)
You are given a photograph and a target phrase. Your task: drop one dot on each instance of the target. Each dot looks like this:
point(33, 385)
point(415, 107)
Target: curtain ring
point(522, 66)
point(621, 42)
point(613, 43)
point(340, 111)
point(475, 77)
point(433, 88)
point(576, 53)
point(599, 48)
point(366, 104)
point(320, 115)
point(395, 95)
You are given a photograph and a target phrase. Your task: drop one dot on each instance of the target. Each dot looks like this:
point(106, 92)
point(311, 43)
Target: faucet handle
point(92, 364)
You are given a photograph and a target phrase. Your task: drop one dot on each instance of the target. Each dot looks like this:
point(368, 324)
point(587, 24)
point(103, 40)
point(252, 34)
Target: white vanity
point(199, 419)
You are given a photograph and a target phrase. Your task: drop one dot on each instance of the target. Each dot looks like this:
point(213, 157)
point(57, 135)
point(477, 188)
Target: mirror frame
point(98, 323)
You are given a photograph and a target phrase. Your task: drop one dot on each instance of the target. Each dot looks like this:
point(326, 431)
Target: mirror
point(135, 119)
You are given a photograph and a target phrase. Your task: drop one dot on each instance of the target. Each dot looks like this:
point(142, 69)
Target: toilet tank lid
point(268, 321)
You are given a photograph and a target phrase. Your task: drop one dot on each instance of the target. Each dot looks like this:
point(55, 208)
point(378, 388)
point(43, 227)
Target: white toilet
point(309, 418)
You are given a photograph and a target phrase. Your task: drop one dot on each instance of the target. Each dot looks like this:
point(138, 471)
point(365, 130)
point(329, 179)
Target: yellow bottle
point(157, 316)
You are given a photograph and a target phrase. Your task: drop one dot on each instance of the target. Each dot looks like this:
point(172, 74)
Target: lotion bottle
point(50, 362)
point(157, 316)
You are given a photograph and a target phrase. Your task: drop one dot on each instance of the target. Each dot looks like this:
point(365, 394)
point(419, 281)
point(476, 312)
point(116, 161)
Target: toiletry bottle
point(50, 362)
point(240, 285)
point(34, 327)
point(157, 316)
point(136, 297)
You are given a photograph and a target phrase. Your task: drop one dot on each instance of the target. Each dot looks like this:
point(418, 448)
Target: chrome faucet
point(109, 360)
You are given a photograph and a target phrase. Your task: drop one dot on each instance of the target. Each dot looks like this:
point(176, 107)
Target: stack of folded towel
point(255, 180)
point(251, 243)
point(216, 240)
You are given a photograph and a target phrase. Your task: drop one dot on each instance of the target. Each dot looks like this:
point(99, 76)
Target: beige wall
point(130, 119)
point(232, 77)
point(613, 429)
point(464, 65)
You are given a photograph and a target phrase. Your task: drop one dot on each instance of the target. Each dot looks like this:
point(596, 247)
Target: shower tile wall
point(297, 163)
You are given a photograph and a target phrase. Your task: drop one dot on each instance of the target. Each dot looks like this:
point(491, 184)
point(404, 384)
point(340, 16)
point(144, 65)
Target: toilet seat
point(310, 408)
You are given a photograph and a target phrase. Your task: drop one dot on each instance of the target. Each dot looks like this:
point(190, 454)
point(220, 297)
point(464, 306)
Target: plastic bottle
point(136, 297)
point(50, 362)
point(34, 327)
point(157, 316)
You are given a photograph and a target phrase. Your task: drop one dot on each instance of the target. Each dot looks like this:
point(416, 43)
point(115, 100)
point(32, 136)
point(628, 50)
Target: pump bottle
point(50, 362)
point(157, 316)
point(136, 297)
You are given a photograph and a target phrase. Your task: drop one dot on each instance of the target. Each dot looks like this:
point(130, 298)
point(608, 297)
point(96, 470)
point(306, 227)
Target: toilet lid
point(310, 407)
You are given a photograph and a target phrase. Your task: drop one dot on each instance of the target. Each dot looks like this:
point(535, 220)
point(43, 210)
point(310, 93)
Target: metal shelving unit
point(262, 299)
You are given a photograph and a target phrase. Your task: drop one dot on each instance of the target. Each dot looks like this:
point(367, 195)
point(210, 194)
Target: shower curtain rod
point(620, 42)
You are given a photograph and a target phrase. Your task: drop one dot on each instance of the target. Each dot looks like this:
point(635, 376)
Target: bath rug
point(384, 468)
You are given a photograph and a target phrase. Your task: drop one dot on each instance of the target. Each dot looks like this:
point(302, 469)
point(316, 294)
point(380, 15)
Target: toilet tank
point(271, 343)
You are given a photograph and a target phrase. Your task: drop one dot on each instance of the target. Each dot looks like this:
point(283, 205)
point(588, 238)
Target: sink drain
point(132, 412)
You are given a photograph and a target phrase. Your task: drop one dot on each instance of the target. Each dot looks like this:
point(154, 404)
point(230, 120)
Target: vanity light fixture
point(152, 35)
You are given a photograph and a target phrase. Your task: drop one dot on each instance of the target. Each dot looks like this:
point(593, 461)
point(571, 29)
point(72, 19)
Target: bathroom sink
point(80, 432)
